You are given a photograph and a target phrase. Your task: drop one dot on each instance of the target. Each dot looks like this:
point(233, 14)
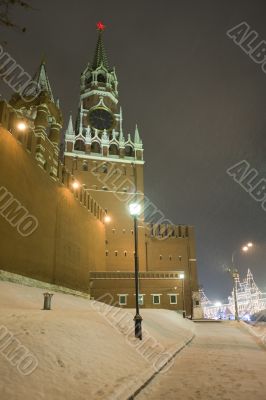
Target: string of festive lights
point(250, 299)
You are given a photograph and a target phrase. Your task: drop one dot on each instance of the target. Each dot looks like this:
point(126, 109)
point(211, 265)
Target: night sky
point(198, 99)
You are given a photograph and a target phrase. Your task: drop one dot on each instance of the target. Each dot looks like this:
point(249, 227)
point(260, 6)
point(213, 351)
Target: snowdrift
point(84, 349)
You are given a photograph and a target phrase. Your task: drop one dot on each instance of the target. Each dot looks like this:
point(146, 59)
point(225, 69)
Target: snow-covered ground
point(224, 362)
point(84, 350)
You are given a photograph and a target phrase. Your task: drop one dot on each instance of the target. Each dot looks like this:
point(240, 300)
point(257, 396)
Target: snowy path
point(223, 362)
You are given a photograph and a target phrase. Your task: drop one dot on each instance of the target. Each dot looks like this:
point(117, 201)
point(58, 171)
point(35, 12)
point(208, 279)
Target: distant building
point(250, 300)
point(93, 254)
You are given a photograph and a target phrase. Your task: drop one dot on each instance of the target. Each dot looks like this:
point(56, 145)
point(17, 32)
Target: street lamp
point(75, 185)
point(134, 210)
point(182, 276)
point(107, 218)
point(235, 275)
point(21, 126)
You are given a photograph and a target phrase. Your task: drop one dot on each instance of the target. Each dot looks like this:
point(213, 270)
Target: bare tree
point(6, 9)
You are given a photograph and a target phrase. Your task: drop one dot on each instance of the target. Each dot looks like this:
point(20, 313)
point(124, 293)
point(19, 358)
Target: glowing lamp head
point(218, 304)
point(75, 185)
point(245, 248)
point(107, 219)
point(250, 244)
point(182, 275)
point(21, 126)
point(134, 209)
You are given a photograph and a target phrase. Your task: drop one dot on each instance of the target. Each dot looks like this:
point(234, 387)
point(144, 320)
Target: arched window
point(129, 151)
point(104, 168)
point(88, 80)
point(113, 150)
point(85, 166)
point(79, 145)
point(95, 147)
point(101, 78)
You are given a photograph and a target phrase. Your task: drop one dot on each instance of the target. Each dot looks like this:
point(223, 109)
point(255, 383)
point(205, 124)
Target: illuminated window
point(173, 298)
point(156, 298)
point(122, 299)
point(141, 299)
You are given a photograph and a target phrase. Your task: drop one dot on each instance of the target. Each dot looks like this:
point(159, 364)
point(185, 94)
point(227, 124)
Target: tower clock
point(100, 118)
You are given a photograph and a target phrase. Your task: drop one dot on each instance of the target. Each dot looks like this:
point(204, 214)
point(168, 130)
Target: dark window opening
point(79, 145)
point(113, 150)
point(129, 151)
point(101, 78)
point(95, 147)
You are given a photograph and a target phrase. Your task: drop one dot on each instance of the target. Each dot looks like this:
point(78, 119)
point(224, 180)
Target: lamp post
point(134, 209)
point(182, 276)
point(235, 275)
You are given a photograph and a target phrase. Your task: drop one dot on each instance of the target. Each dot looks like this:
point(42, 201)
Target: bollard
point(47, 301)
point(184, 314)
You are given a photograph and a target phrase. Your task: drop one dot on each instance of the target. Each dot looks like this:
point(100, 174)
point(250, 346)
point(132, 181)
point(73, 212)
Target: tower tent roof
point(100, 57)
point(41, 78)
point(70, 129)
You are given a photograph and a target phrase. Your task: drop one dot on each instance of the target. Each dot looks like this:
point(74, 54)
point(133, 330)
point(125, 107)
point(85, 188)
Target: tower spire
point(41, 78)
point(137, 137)
point(100, 57)
point(70, 130)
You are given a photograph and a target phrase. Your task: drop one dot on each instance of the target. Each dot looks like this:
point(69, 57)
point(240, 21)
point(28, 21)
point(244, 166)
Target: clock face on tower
point(101, 119)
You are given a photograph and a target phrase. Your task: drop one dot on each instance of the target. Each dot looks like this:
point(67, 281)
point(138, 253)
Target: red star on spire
point(100, 26)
